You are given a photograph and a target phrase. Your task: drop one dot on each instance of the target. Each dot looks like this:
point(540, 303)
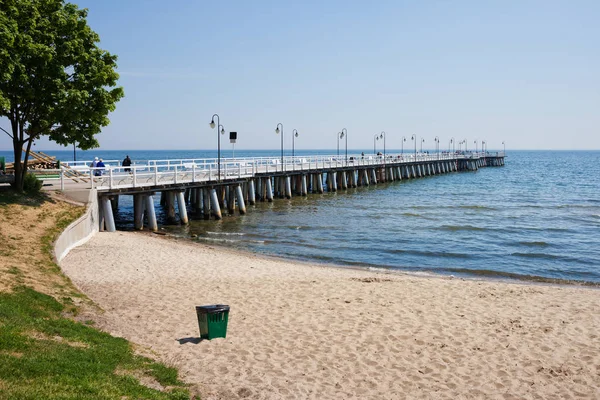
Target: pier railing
point(149, 173)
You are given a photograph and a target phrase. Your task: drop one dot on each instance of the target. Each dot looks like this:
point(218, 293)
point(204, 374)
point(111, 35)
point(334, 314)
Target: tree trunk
point(20, 169)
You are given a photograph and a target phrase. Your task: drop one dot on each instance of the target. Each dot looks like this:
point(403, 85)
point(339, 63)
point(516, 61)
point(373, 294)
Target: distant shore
point(298, 330)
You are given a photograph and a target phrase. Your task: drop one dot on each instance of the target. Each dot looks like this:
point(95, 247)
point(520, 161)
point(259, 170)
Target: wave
point(454, 228)
point(416, 215)
point(226, 233)
point(534, 244)
point(544, 256)
point(522, 277)
point(476, 207)
point(219, 240)
point(429, 253)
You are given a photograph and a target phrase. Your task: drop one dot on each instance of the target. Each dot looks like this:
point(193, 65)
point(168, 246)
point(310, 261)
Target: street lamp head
point(212, 123)
point(381, 136)
point(342, 135)
point(296, 134)
point(277, 130)
point(222, 131)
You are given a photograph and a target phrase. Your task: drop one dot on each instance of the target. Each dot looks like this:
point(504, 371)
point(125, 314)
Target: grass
point(46, 354)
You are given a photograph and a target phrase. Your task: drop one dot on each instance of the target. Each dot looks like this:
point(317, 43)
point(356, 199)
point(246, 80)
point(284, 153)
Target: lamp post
point(452, 143)
point(475, 141)
point(343, 134)
point(437, 145)
point(414, 138)
point(422, 141)
point(483, 143)
point(219, 126)
point(375, 138)
point(382, 136)
point(402, 143)
point(294, 135)
point(503, 144)
point(338, 136)
point(277, 132)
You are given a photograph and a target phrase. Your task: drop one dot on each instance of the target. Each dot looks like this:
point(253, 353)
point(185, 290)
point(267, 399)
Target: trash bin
point(212, 320)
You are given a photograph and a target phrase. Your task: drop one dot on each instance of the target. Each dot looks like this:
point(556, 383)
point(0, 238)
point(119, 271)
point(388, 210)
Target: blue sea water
point(536, 217)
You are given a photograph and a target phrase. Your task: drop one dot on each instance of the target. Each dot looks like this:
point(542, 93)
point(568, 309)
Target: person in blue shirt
point(101, 166)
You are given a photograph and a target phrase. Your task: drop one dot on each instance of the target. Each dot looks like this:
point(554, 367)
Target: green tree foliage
point(54, 79)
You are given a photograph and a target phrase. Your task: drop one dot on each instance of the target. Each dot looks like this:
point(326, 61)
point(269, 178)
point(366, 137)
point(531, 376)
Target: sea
point(536, 218)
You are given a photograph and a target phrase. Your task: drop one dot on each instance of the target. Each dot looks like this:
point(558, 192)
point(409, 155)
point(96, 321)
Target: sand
point(301, 331)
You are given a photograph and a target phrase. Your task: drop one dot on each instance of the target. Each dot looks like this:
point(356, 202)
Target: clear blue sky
point(526, 72)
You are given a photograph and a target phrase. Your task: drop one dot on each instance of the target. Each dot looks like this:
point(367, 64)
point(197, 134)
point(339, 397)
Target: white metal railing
point(165, 172)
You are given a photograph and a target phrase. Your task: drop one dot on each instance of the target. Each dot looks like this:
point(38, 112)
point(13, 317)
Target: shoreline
point(467, 274)
point(308, 330)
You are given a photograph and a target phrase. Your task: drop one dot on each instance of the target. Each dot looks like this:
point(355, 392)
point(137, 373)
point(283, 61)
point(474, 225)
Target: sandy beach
point(301, 331)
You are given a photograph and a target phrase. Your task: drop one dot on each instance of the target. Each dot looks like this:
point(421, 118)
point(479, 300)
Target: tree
point(54, 79)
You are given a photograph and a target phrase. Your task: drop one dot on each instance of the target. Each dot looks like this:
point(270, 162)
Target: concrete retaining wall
point(79, 231)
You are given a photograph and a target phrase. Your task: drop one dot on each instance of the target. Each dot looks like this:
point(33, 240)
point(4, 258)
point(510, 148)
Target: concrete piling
point(152, 223)
point(269, 190)
point(206, 204)
point(138, 212)
point(214, 202)
point(181, 205)
point(240, 199)
point(251, 193)
point(109, 219)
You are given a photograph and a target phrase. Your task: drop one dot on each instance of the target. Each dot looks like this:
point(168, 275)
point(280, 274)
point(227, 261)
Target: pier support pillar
point(230, 193)
point(193, 194)
point(373, 176)
point(199, 199)
point(303, 188)
point(333, 181)
point(214, 202)
point(320, 183)
point(138, 212)
point(240, 200)
point(170, 205)
point(251, 193)
point(288, 187)
point(181, 205)
point(206, 205)
point(269, 190)
point(365, 179)
point(109, 219)
point(151, 213)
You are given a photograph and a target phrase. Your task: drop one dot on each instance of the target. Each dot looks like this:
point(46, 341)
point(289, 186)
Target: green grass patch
point(44, 355)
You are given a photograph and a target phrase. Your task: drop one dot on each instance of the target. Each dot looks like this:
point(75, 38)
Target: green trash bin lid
point(212, 309)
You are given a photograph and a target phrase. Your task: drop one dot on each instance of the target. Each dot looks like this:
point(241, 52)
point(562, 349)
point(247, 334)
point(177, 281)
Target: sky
point(524, 72)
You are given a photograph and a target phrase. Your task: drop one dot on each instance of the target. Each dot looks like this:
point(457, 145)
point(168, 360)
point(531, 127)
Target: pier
point(211, 187)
